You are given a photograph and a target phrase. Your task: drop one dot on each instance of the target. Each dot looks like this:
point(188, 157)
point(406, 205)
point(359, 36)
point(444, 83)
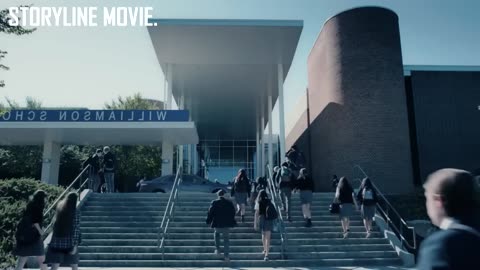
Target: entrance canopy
point(88, 127)
point(223, 69)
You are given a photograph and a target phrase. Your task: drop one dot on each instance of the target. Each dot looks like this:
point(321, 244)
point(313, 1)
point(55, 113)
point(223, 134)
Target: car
point(189, 183)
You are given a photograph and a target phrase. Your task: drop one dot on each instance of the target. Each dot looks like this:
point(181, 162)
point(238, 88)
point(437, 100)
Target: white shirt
point(446, 223)
point(450, 223)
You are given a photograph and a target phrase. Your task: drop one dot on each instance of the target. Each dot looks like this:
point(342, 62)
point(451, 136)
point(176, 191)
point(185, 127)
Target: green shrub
point(14, 194)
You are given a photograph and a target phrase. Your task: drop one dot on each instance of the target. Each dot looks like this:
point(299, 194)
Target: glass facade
point(223, 158)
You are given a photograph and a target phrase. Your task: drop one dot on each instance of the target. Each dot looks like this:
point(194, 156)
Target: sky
point(86, 67)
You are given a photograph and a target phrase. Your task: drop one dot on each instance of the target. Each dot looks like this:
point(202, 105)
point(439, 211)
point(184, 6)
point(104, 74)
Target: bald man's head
point(450, 193)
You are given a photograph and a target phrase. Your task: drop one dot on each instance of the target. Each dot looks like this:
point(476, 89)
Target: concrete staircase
point(120, 230)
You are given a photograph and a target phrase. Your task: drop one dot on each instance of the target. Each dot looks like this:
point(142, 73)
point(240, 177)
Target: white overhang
point(222, 67)
point(97, 133)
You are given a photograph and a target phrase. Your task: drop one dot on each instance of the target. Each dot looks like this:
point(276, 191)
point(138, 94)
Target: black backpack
point(285, 175)
point(109, 164)
point(271, 212)
point(26, 233)
point(241, 185)
point(262, 184)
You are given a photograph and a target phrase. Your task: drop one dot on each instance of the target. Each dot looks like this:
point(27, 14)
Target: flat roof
point(222, 67)
point(152, 133)
point(407, 69)
point(87, 127)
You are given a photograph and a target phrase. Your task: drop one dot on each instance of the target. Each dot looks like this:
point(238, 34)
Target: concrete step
point(235, 249)
point(129, 195)
point(233, 242)
point(177, 236)
point(103, 211)
point(341, 254)
point(322, 210)
point(156, 202)
point(234, 235)
point(186, 194)
point(121, 208)
point(206, 229)
point(176, 224)
point(183, 217)
point(175, 256)
point(242, 263)
point(121, 230)
point(237, 256)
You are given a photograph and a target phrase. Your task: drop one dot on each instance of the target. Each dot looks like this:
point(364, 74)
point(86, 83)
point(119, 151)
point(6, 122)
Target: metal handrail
point(67, 190)
point(275, 199)
point(169, 212)
point(387, 212)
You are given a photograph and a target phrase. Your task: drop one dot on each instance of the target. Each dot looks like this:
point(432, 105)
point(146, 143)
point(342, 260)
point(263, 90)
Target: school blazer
point(452, 249)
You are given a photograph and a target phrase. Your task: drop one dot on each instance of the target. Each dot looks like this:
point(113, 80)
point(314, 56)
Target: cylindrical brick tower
point(357, 100)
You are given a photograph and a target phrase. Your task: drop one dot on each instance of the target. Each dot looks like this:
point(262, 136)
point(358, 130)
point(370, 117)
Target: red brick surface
point(357, 98)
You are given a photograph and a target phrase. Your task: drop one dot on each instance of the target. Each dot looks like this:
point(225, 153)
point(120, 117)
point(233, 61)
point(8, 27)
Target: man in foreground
point(452, 205)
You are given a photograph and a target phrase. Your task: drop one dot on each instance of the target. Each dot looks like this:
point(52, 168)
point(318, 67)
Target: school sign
point(54, 128)
point(95, 116)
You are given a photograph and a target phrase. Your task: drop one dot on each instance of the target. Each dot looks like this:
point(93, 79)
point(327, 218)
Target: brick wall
point(357, 101)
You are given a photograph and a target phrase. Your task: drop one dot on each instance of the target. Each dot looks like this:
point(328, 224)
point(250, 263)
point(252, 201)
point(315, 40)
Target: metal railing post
point(169, 213)
point(66, 191)
point(388, 212)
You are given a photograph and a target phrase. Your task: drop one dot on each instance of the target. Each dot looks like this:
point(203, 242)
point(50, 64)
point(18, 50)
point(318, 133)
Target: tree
point(6, 28)
point(21, 161)
point(135, 102)
point(135, 161)
point(32, 103)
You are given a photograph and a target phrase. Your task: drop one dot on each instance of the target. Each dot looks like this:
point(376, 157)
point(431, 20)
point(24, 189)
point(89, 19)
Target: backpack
point(367, 194)
point(334, 208)
point(262, 184)
point(109, 164)
point(271, 212)
point(285, 175)
point(26, 233)
point(241, 186)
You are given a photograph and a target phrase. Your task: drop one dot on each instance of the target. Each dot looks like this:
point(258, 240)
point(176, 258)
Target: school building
point(362, 106)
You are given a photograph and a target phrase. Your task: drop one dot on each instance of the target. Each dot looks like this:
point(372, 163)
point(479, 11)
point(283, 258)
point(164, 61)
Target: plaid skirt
point(61, 256)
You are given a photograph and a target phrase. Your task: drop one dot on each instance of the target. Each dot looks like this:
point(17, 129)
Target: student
point(367, 196)
point(334, 182)
point(285, 184)
point(453, 205)
point(63, 248)
point(241, 191)
point(259, 184)
point(265, 216)
point(305, 185)
point(93, 173)
point(346, 197)
point(221, 217)
point(29, 232)
point(140, 182)
point(296, 158)
point(109, 169)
